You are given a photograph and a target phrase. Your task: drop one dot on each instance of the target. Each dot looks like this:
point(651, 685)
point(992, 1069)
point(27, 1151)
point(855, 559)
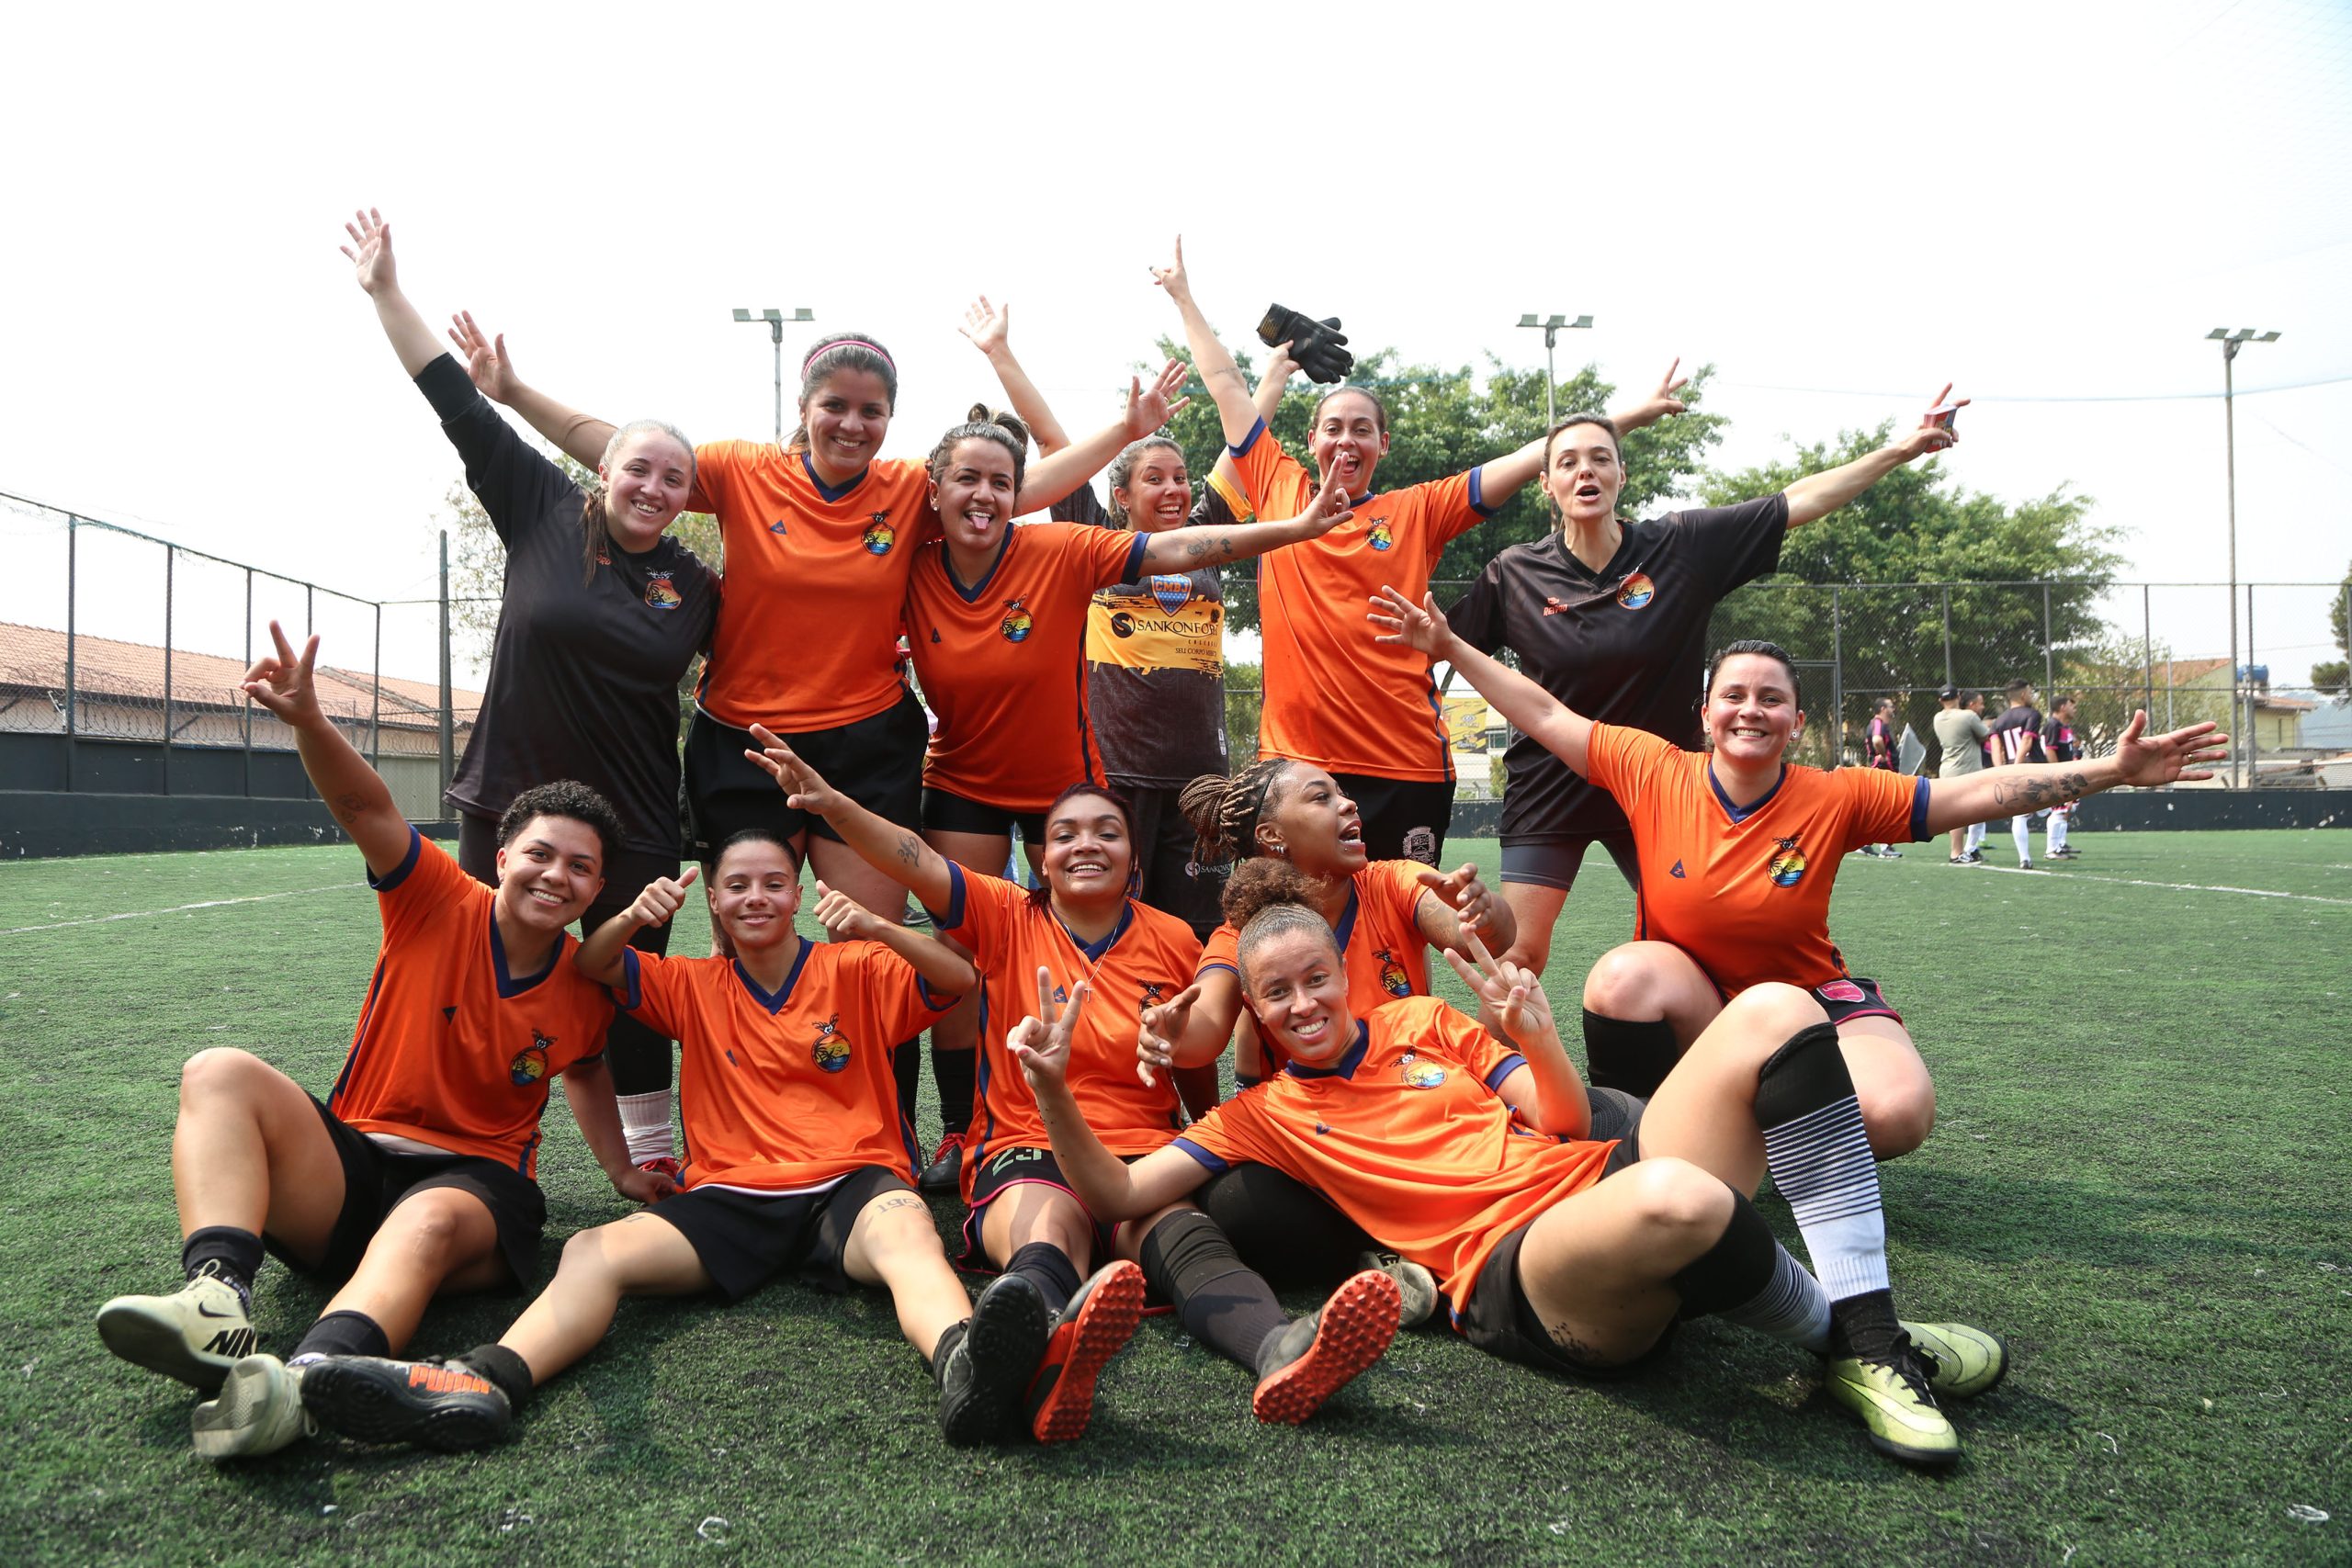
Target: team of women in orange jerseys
point(1402, 1157)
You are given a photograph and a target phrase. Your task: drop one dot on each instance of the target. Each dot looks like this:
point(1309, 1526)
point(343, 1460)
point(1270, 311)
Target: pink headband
point(848, 343)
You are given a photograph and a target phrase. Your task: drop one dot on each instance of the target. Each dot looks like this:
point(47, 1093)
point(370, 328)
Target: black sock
point(343, 1334)
point(950, 1074)
point(1749, 1277)
point(228, 1254)
point(1282, 1227)
point(906, 1063)
point(1049, 1269)
point(1864, 1326)
point(503, 1368)
point(1220, 1300)
point(948, 1340)
point(1623, 1054)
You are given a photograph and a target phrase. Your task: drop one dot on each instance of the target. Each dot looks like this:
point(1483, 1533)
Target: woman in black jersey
point(1610, 616)
point(601, 613)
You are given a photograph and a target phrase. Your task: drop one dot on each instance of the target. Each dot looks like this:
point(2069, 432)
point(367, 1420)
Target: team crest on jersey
point(661, 594)
point(879, 535)
point(1152, 995)
point(1017, 622)
point(1393, 978)
point(530, 1065)
point(1171, 593)
point(1380, 538)
point(1786, 867)
point(831, 1050)
point(1419, 1074)
point(1420, 844)
point(1637, 591)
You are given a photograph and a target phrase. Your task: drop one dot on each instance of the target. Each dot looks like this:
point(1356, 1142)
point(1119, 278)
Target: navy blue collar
point(1347, 924)
point(833, 492)
point(1740, 814)
point(1095, 950)
point(774, 1003)
point(971, 595)
point(511, 985)
point(1345, 1067)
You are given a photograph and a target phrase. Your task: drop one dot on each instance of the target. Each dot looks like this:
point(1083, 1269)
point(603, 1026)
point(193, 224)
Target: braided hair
point(1225, 812)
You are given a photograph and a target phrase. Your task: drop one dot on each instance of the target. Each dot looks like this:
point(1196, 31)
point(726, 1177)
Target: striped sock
point(1749, 1279)
point(1821, 1162)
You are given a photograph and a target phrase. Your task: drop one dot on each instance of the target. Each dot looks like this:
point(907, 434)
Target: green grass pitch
point(2138, 1178)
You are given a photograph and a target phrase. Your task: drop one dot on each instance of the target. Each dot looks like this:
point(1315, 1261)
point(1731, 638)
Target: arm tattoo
point(349, 808)
point(910, 850)
point(1221, 546)
point(2041, 790)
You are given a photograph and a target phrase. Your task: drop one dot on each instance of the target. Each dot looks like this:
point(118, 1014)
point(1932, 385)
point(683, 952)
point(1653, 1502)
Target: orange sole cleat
point(1094, 1327)
point(1351, 1331)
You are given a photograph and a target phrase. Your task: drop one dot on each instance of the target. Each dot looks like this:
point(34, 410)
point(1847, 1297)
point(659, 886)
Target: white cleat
point(196, 1334)
point(259, 1411)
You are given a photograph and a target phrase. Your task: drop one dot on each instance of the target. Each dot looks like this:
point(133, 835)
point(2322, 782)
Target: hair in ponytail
point(1123, 467)
point(1006, 430)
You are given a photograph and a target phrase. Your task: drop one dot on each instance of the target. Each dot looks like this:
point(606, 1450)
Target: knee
point(220, 1070)
point(586, 1256)
point(1625, 984)
point(1774, 1010)
point(430, 1230)
point(1898, 1118)
point(1675, 1198)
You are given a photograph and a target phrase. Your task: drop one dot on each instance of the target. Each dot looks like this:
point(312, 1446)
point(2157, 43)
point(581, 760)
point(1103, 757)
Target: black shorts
point(1403, 818)
point(745, 1239)
point(1015, 1165)
point(1173, 882)
point(1854, 997)
point(375, 1181)
point(876, 762)
point(944, 812)
point(1503, 1323)
point(1554, 862)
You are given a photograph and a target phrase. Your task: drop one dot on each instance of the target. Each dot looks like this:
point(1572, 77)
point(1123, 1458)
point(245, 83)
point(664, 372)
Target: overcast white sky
point(1839, 206)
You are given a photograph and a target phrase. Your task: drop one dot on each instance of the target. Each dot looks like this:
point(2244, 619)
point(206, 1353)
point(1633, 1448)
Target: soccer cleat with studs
point(982, 1375)
point(196, 1334)
point(1962, 1362)
point(1891, 1396)
point(1312, 1358)
point(258, 1411)
point(437, 1404)
point(945, 1171)
point(1094, 1327)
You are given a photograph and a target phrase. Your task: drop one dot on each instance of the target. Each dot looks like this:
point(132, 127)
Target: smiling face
point(1583, 475)
point(1349, 435)
point(974, 495)
point(647, 475)
point(1299, 990)
point(847, 415)
point(1752, 713)
point(548, 870)
point(1157, 492)
point(1088, 850)
point(1311, 821)
point(754, 892)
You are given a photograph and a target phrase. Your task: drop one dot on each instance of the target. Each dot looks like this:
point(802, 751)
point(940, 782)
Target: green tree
point(2334, 675)
point(1244, 699)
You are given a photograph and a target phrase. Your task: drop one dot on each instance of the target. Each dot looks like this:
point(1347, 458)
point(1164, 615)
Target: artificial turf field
point(2138, 1178)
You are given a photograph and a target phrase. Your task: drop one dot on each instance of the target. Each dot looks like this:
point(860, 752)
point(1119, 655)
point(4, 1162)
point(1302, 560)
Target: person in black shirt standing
point(601, 615)
point(2060, 744)
point(2016, 737)
point(1610, 616)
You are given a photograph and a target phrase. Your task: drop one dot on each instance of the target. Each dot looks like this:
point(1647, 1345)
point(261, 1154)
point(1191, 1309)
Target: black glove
point(1320, 348)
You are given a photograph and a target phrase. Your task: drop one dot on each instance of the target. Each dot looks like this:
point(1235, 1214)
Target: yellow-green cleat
point(1962, 1362)
point(1894, 1400)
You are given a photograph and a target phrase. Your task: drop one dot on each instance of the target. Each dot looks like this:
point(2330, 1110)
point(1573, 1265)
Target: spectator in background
point(2060, 745)
point(1878, 751)
point(1961, 732)
point(2016, 737)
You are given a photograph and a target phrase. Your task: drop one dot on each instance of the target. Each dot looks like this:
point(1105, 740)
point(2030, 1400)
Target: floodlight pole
point(1551, 326)
point(2230, 343)
point(775, 320)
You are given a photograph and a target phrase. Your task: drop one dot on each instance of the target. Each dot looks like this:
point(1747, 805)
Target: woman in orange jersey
point(1037, 948)
point(800, 1163)
point(1739, 848)
point(1469, 1151)
point(1368, 717)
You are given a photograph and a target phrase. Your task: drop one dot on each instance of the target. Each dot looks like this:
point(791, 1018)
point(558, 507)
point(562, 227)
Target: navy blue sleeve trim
point(937, 1001)
point(953, 916)
point(1249, 440)
point(1134, 569)
point(1215, 1166)
point(629, 996)
point(1478, 492)
point(1504, 1069)
point(447, 386)
point(1919, 812)
point(1243, 1080)
point(408, 864)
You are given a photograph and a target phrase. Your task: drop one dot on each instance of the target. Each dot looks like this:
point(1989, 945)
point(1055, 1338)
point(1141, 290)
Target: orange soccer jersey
point(1149, 956)
point(1407, 1136)
point(1746, 893)
point(451, 1050)
point(1003, 664)
point(786, 1092)
point(1334, 697)
point(808, 623)
point(1380, 943)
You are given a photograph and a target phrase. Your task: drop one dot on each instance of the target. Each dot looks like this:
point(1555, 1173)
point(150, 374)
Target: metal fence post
point(1836, 679)
point(2048, 659)
point(73, 563)
point(2148, 646)
point(376, 696)
point(448, 702)
point(171, 556)
point(1946, 597)
point(2253, 740)
point(245, 713)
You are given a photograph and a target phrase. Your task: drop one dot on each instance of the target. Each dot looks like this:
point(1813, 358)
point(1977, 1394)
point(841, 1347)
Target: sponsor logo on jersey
point(1171, 593)
point(1017, 622)
point(1637, 591)
point(935, 634)
point(530, 1064)
point(1380, 538)
point(1786, 867)
point(1393, 978)
point(661, 594)
point(1676, 871)
point(1839, 991)
point(777, 528)
point(830, 1049)
point(1552, 605)
point(879, 535)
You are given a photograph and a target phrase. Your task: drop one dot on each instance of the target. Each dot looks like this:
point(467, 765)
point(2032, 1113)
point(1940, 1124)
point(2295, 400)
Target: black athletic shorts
point(745, 1239)
point(1013, 1165)
point(1403, 818)
point(375, 1181)
point(1173, 882)
point(1554, 862)
point(1502, 1322)
point(1854, 997)
point(876, 762)
point(946, 813)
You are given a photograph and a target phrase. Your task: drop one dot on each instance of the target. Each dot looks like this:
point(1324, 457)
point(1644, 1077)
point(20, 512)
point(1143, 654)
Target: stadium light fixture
point(1550, 326)
point(2230, 343)
point(774, 319)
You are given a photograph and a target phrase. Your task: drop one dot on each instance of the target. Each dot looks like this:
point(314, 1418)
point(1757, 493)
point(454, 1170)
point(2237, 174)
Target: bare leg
point(1642, 981)
point(642, 1254)
point(250, 1151)
point(1034, 1212)
point(440, 1240)
point(1537, 909)
point(1898, 1098)
point(895, 1244)
point(1599, 1267)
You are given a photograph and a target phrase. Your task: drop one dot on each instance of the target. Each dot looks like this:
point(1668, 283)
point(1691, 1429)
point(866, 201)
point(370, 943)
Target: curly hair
point(1225, 812)
point(1267, 898)
point(567, 798)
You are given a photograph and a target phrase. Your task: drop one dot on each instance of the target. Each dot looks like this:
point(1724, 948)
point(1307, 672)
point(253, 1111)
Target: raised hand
point(1172, 277)
point(373, 255)
point(986, 325)
point(282, 682)
point(486, 359)
point(1164, 1024)
point(1040, 1042)
point(1665, 402)
point(1510, 999)
point(843, 918)
point(1329, 508)
point(1279, 364)
point(663, 896)
point(1473, 903)
point(1420, 626)
point(2145, 762)
point(803, 789)
point(1148, 409)
point(1935, 432)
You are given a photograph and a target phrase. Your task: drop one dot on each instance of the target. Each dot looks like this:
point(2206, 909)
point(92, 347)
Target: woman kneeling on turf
point(1082, 930)
point(800, 1160)
point(1468, 1153)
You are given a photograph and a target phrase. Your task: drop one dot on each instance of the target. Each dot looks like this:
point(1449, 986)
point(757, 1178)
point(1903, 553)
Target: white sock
point(2021, 829)
point(1976, 837)
point(645, 1118)
point(2057, 831)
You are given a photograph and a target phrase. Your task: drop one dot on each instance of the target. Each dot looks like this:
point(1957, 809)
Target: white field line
point(2174, 886)
point(177, 909)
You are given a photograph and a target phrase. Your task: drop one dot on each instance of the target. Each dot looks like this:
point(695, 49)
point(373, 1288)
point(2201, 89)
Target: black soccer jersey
point(585, 664)
point(2014, 737)
point(1624, 645)
point(2058, 739)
